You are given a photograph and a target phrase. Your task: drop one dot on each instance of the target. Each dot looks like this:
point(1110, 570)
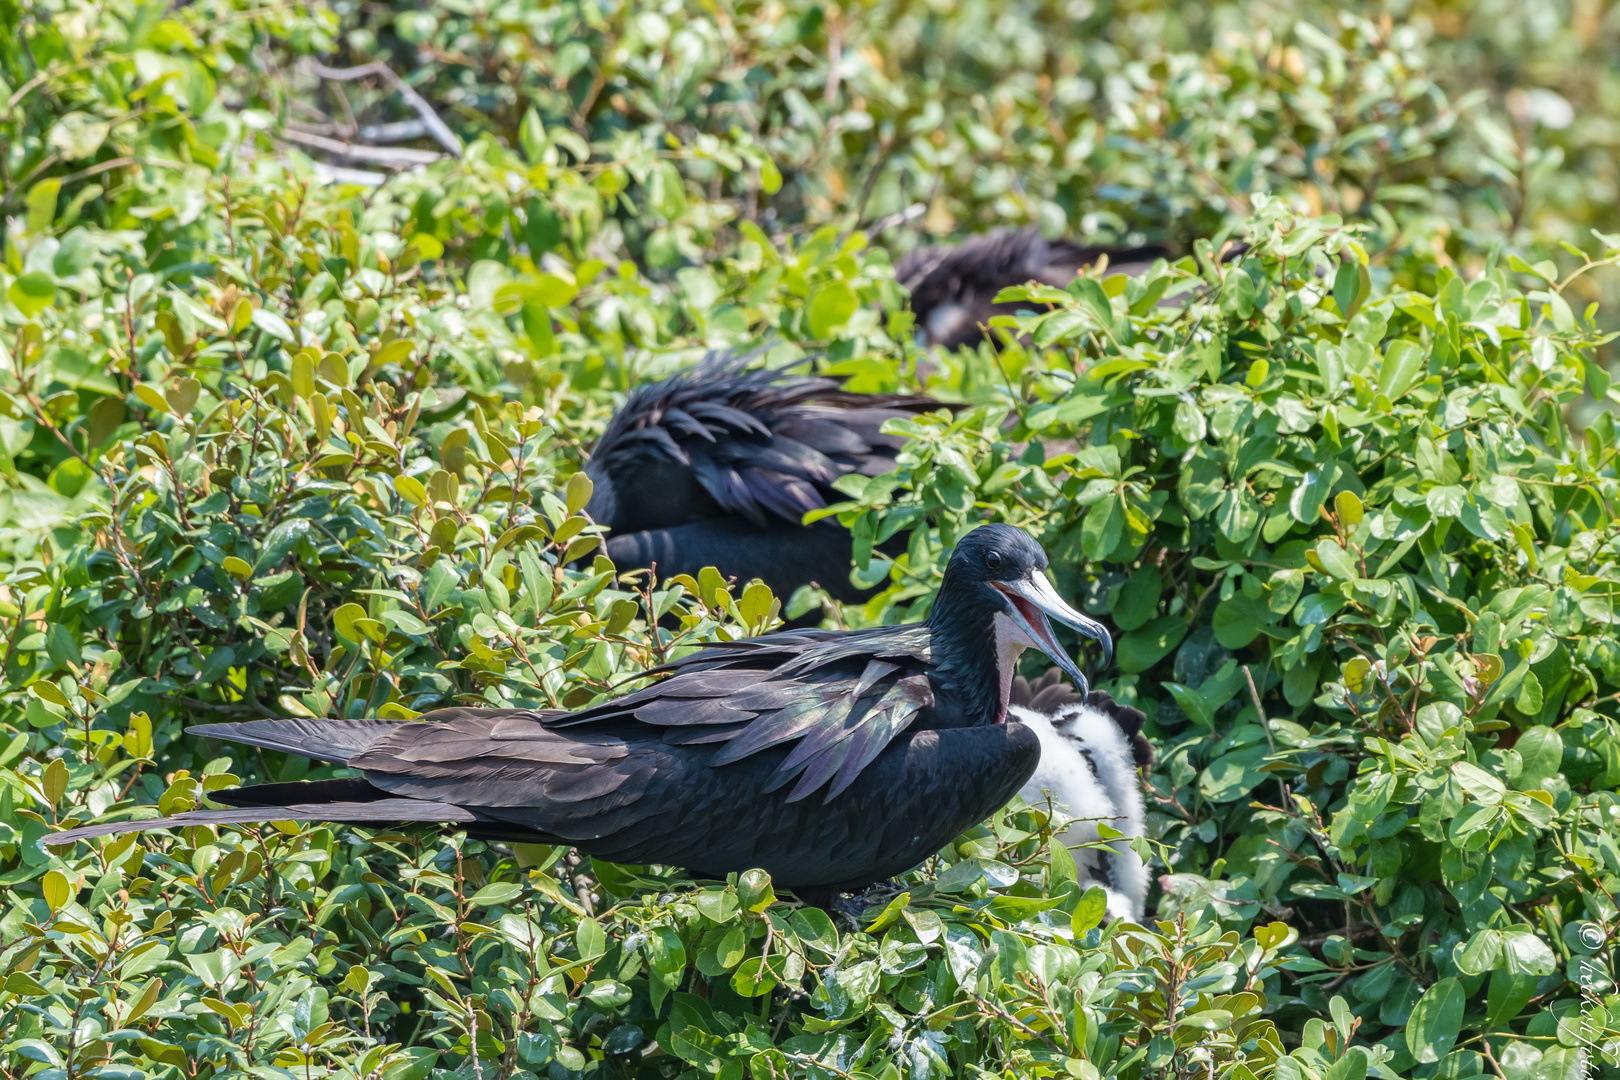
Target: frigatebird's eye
point(993, 560)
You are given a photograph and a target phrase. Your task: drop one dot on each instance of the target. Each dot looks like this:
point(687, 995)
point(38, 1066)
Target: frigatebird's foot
point(858, 909)
point(854, 910)
point(817, 896)
point(850, 911)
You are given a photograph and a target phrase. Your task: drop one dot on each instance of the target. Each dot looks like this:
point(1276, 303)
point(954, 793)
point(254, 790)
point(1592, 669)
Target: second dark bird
point(831, 759)
point(717, 466)
point(953, 286)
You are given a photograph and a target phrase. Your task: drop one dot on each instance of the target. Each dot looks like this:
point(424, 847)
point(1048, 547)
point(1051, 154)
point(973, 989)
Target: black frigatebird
point(831, 759)
point(1092, 749)
point(717, 466)
point(953, 286)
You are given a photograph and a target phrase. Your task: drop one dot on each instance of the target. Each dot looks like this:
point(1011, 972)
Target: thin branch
point(1357, 931)
point(337, 174)
point(436, 127)
point(895, 220)
point(396, 157)
point(395, 131)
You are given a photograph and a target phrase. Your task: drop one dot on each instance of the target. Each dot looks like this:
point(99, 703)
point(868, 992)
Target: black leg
point(817, 896)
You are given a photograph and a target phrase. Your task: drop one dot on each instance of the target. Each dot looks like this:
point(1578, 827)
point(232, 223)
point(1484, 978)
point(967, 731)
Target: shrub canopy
point(282, 434)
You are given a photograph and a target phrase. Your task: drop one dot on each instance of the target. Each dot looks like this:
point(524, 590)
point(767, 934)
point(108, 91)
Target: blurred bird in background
point(954, 286)
point(717, 466)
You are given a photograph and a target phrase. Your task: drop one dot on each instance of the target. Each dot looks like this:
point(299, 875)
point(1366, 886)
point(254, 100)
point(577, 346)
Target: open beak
point(1030, 601)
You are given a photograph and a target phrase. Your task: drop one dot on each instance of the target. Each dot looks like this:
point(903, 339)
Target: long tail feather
point(378, 812)
point(335, 741)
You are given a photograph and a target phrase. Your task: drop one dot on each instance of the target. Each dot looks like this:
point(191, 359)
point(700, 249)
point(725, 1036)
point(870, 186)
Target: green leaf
point(542, 228)
point(32, 292)
point(1478, 783)
point(1353, 1066)
point(1527, 954)
point(552, 291)
point(1139, 598)
point(1061, 866)
point(815, 929)
point(830, 309)
point(1147, 645)
point(752, 978)
point(346, 620)
point(1436, 1021)
point(1089, 912)
point(56, 890)
point(537, 326)
point(41, 204)
point(1193, 704)
point(274, 325)
point(500, 892)
point(1446, 501)
point(1402, 364)
point(1285, 588)
point(1305, 502)
point(1346, 286)
point(1094, 300)
point(1103, 526)
point(1239, 620)
point(770, 177)
point(78, 135)
point(1542, 752)
point(589, 939)
point(1335, 560)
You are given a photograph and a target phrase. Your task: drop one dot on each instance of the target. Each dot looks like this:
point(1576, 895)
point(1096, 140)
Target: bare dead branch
point(337, 174)
point(435, 126)
point(394, 157)
point(397, 131)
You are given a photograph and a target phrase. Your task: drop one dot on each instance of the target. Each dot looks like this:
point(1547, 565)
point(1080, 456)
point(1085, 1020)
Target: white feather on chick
point(1087, 765)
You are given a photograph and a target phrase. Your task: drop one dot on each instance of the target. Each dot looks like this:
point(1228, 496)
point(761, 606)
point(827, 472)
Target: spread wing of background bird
point(953, 286)
point(720, 440)
point(717, 466)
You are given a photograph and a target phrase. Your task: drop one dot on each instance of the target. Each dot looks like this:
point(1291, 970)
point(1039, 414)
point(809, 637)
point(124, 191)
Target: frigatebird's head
point(1000, 571)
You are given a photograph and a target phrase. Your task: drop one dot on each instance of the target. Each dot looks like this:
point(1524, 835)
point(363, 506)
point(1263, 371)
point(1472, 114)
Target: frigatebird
point(953, 286)
point(717, 466)
point(1091, 750)
point(831, 759)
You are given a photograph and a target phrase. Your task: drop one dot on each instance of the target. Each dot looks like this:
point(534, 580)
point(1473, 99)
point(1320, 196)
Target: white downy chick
point(1089, 763)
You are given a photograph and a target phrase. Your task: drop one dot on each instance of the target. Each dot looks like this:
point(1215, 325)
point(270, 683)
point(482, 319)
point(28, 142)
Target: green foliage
point(1371, 524)
point(280, 440)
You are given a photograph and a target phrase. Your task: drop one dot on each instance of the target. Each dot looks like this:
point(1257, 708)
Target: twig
point(895, 220)
point(1260, 711)
point(399, 157)
point(337, 174)
point(436, 127)
point(392, 132)
point(1265, 726)
point(24, 90)
point(835, 57)
point(996, 1010)
point(1356, 931)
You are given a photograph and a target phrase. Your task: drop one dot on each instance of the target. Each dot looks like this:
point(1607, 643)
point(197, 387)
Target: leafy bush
point(1361, 515)
point(298, 444)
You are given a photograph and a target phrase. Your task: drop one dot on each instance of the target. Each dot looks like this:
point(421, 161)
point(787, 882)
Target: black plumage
point(829, 758)
point(953, 286)
point(717, 466)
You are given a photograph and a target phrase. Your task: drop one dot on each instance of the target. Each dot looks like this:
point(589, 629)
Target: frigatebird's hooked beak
point(1030, 600)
